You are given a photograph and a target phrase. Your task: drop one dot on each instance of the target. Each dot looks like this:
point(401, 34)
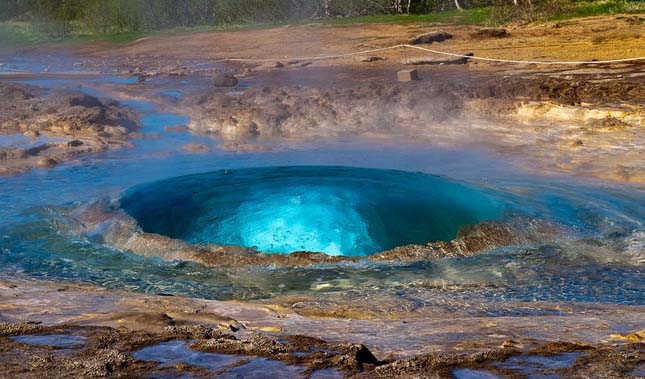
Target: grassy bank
point(14, 34)
point(26, 34)
point(473, 16)
point(599, 8)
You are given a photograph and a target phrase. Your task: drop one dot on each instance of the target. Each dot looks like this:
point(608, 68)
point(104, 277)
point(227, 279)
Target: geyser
point(335, 210)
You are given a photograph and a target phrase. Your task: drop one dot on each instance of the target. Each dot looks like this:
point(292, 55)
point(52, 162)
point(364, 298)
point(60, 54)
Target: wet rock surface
point(79, 123)
point(204, 352)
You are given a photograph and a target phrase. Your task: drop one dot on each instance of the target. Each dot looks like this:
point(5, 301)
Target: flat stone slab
point(408, 75)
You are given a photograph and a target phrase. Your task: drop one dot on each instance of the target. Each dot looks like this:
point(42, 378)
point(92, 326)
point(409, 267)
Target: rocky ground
point(584, 126)
point(114, 326)
point(57, 126)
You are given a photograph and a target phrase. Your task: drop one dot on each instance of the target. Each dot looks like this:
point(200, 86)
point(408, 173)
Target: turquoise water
point(335, 210)
point(341, 210)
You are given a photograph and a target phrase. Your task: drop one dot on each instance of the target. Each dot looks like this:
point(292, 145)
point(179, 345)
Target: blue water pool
point(335, 210)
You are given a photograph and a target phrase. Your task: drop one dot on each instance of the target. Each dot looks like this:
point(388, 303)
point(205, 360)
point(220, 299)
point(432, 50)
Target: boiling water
point(335, 210)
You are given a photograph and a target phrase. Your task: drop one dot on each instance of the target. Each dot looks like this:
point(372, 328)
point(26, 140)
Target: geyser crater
point(334, 210)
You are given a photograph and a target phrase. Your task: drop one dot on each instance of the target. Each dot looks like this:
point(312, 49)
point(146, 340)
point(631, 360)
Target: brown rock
point(490, 33)
point(222, 79)
point(74, 143)
point(85, 101)
point(432, 37)
point(407, 75)
point(47, 162)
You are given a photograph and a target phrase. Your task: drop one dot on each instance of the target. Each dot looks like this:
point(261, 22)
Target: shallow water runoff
point(350, 198)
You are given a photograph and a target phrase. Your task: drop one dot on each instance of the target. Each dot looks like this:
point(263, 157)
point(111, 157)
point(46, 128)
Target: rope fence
point(419, 48)
point(527, 62)
point(404, 48)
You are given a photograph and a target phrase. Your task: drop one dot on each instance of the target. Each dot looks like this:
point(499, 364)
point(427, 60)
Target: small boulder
point(74, 143)
point(432, 37)
point(47, 162)
point(407, 75)
point(223, 79)
point(356, 356)
point(85, 101)
point(489, 33)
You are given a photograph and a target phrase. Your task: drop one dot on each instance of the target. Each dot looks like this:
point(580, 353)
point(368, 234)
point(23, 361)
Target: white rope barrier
point(526, 62)
point(401, 46)
point(344, 55)
point(318, 58)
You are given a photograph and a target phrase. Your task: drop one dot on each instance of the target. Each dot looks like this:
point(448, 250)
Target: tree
point(326, 8)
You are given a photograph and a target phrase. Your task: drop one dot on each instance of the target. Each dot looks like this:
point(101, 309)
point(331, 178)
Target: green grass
point(599, 8)
point(24, 34)
point(20, 34)
point(465, 17)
